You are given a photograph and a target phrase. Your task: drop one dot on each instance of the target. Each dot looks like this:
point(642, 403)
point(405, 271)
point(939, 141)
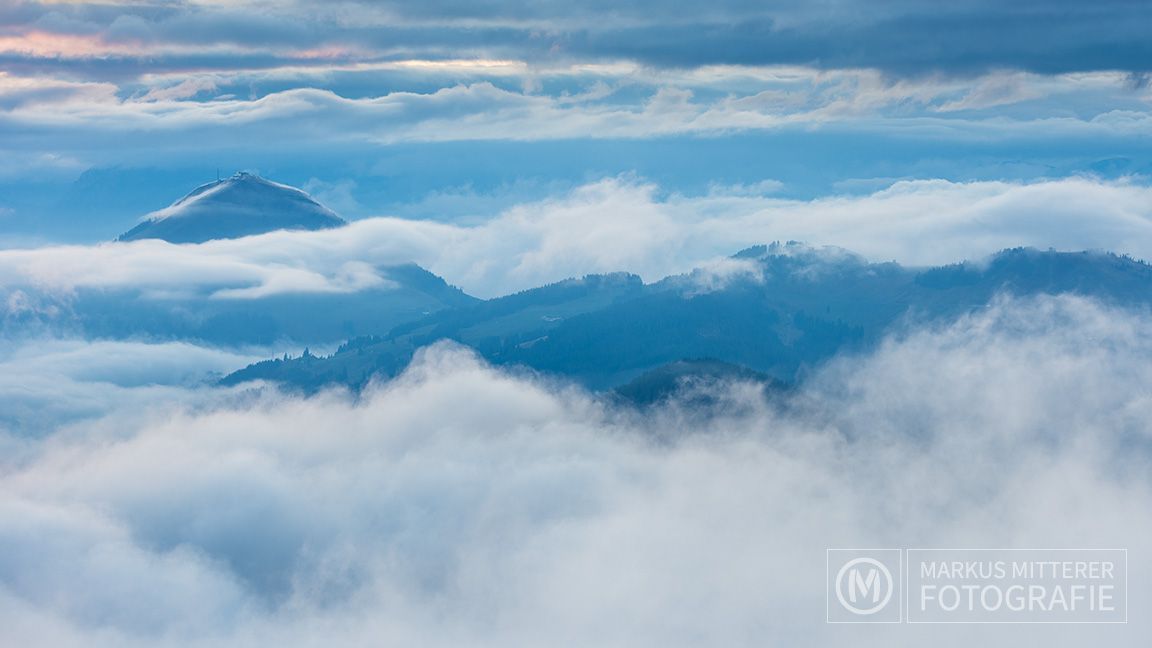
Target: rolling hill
point(777, 310)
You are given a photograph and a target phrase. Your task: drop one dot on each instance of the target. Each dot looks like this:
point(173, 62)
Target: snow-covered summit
point(242, 205)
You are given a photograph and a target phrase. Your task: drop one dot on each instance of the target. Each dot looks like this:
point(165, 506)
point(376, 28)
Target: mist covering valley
point(603, 459)
point(524, 324)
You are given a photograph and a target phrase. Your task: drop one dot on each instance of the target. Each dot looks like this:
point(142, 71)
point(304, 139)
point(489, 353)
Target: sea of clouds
point(463, 505)
point(607, 226)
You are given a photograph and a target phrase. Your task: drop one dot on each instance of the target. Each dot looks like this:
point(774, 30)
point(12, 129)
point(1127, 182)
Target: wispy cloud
point(47, 383)
point(635, 104)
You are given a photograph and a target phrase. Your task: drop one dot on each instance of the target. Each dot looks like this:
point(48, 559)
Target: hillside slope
point(779, 310)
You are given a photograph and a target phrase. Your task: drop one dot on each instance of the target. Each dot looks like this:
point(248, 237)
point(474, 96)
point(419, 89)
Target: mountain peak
point(801, 259)
point(241, 205)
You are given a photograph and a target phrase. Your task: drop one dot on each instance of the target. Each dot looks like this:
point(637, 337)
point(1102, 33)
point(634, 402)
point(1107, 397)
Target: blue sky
point(459, 110)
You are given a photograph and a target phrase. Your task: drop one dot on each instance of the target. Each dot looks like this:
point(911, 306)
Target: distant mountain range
point(242, 205)
point(771, 314)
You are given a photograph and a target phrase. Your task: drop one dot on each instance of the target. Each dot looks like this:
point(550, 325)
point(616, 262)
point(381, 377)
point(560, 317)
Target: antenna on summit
point(217, 174)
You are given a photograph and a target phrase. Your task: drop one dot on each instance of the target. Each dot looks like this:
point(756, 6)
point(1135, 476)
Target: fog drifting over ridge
point(632, 310)
point(617, 224)
point(462, 505)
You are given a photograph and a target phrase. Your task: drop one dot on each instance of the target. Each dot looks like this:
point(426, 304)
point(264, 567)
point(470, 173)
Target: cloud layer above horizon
point(616, 225)
point(973, 90)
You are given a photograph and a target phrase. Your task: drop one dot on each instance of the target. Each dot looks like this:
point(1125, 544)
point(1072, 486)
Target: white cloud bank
point(47, 382)
point(613, 225)
point(460, 506)
point(62, 125)
point(472, 100)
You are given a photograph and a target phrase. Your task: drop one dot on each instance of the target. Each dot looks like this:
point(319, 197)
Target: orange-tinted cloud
point(43, 44)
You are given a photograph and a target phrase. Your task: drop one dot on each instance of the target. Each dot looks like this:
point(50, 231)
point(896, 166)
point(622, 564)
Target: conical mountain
point(242, 205)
